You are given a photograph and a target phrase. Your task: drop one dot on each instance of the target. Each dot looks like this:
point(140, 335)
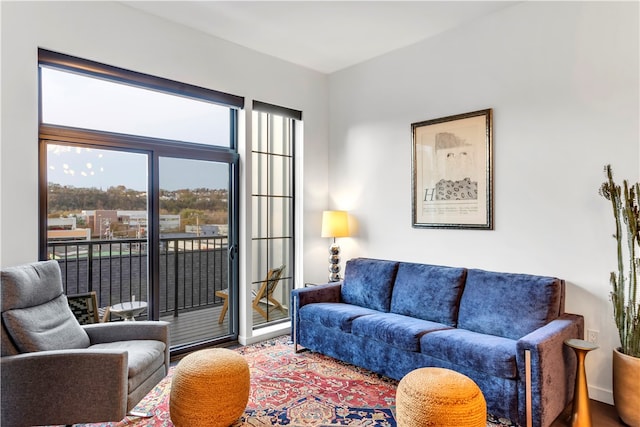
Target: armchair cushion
point(144, 358)
point(49, 326)
point(26, 286)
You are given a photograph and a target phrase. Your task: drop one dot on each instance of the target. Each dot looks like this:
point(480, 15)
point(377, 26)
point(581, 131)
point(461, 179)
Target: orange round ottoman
point(209, 388)
point(439, 397)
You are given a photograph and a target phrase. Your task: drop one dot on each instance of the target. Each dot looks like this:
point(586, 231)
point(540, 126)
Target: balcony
point(192, 269)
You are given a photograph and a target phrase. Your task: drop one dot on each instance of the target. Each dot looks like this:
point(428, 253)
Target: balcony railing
point(192, 269)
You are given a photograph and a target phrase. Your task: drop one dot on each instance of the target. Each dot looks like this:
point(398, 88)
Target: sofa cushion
point(368, 283)
point(428, 292)
point(491, 355)
point(333, 315)
point(507, 304)
point(394, 329)
point(144, 358)
point(48, 326)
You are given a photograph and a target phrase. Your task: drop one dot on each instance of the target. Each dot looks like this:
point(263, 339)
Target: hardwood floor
point(602, 415)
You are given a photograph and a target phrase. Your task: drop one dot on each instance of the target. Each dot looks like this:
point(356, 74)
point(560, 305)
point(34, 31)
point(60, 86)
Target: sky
point(73, 100)
point(94, 168)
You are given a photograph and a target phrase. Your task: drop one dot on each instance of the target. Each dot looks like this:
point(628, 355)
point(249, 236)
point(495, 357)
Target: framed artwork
point(452, 172)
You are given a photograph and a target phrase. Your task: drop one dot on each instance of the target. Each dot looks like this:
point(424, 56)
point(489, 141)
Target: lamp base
point(334, 263)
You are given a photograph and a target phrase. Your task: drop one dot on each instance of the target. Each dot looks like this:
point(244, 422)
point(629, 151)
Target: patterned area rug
point(303, 389)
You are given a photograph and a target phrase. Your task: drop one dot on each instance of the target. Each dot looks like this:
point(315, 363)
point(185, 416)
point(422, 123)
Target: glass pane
point(259, 176)
point(272, 134)
point(272, 217)
point(259, 217)
point(271, 175)
point(280, 225)
point(280, 131)
point(280, 169)
point(97, 222)
point(260, 129)
point(270, 254)
point(194, 266)
point(85, 102)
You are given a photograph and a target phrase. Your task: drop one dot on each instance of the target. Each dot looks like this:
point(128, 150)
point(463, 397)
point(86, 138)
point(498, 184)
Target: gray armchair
point(55, 371)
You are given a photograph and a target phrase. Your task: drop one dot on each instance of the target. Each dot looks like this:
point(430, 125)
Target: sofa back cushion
point(368, 283)
point(428, 292)
point(507, 304)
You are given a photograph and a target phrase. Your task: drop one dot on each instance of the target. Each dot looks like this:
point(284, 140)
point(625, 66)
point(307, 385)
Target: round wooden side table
point(581, 415)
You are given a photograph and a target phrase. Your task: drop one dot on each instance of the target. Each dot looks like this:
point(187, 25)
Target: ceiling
point(325, 36)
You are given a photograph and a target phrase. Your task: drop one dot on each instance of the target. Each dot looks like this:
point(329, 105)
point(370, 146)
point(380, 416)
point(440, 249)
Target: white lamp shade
point(335, 224)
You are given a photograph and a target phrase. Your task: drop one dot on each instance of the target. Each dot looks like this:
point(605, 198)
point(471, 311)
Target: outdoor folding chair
point(265, 292)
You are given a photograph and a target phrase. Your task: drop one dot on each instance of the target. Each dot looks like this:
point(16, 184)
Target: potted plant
point(624, 296)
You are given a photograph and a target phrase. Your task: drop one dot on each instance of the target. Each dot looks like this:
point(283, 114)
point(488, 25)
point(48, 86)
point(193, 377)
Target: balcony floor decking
point(198, 325)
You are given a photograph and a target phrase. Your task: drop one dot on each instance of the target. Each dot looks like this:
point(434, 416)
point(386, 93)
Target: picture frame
point(452, 172)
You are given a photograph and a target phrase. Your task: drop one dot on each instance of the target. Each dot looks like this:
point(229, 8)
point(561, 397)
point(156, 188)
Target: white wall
point(562, 80)
point(115, 34)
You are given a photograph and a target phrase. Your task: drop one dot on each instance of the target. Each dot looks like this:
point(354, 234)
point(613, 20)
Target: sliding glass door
point(195, 274)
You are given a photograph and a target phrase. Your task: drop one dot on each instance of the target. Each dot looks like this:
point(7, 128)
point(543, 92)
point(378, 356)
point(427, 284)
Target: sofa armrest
point(547, 369)
point(126, 331)
point(63, 387)
point(328, 292)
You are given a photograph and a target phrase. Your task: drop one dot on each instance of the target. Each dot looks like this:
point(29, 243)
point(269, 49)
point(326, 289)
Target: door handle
point(232, 251)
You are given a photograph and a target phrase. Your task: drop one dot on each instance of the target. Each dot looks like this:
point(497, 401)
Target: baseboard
point(265, 333)
point(601, 395)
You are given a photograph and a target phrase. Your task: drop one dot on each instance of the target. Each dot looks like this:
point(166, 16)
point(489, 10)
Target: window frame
point(295, 116)
point(73, 64)
point(153, 147)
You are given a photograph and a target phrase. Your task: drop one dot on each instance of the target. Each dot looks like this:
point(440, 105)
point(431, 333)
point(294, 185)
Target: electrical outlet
point(592, 336)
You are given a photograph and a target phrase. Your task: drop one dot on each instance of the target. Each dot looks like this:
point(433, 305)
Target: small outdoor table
point(128, 310)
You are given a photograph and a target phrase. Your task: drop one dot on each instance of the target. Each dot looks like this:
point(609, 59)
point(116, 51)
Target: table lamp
point(334, 224)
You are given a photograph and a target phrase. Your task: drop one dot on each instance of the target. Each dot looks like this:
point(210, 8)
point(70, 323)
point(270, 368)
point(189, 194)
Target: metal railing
point(192, 269)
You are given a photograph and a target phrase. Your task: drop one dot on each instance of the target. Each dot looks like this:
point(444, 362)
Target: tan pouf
point(439, 397)
point(209, 388)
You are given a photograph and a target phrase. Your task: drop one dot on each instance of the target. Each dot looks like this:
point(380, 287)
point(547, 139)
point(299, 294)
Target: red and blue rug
point(296, 389)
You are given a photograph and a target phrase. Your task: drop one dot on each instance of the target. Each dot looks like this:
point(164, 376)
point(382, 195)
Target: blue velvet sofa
point(503, 330)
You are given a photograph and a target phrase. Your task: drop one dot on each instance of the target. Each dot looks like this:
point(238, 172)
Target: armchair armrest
point(83, 377)
point(547, 369)
point(126, 331)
